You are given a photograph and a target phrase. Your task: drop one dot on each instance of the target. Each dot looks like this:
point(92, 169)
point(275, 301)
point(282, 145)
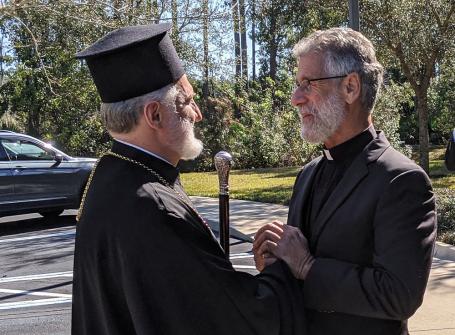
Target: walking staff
point(223, 163)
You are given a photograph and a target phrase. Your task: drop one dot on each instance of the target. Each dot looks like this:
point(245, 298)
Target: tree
point(419, 34)
point(243, 44)
point(441, 98)
point(253, 39)
point(205, 36)
point(281, 24)
point(236, 27)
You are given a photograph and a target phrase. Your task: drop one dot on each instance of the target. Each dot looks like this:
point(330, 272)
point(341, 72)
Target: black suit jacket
point(373, 242)
point(145, 264)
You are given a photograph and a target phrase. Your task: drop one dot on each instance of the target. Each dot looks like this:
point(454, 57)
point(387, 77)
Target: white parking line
point(36, 277)
point(34, 303)
point(40, 294)
point(244, 267)
point(241, 255)
point(28, 238)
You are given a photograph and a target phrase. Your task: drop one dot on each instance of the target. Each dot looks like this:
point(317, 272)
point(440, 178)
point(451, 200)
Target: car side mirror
point(58, 158)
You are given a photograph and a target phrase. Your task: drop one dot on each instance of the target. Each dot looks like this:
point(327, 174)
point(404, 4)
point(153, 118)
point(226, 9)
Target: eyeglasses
point(305, 84)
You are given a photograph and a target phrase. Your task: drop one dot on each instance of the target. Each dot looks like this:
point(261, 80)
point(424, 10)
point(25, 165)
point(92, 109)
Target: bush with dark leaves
point(445, 205)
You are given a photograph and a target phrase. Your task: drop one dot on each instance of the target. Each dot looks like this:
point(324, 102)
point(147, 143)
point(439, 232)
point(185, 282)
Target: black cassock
point(145, 263)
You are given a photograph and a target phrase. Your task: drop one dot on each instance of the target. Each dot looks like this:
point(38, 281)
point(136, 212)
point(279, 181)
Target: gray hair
point(122, 116)
point(343, 51)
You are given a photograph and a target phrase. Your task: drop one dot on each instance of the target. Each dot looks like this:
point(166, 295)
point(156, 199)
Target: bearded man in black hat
point(145, 261)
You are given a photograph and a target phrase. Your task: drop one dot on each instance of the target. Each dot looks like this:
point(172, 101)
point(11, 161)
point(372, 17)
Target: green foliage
point(441, 102)
point(386, 115)
point(47, 93)
point(266, 134)
point(418, 35)
point(445, 200)
point(281, 24)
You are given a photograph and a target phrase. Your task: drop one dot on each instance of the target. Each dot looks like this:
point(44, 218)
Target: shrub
point(445, 204)
point(386, 114)
point(264, 132)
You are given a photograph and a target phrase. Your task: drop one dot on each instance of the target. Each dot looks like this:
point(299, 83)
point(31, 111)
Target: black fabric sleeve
point(174, 284)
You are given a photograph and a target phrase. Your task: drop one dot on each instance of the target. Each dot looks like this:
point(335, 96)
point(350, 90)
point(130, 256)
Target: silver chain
point(153, 172)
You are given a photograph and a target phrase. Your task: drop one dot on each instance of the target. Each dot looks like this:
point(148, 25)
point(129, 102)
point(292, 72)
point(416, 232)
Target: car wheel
point(52, 214)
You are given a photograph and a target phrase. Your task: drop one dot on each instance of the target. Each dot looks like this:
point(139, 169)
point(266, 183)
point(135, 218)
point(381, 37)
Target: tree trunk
point(205, 29)
point(273, 49)
point(244, 45)
point(1, 58)
point(175, 25)
point(33, 117)
point(116, 4)
point(238, 61)
point(422, 111)
point(154, 12)
point(235, 19)
point(253, 38)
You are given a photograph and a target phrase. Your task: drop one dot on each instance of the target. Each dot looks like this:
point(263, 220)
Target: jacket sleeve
point(392, 287)
point(175, 284)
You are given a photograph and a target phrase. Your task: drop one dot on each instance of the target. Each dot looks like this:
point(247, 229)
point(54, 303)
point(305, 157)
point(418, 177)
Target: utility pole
point(354, 21)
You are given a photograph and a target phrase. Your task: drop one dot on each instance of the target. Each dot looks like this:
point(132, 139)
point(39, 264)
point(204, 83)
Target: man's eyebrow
point(299, 79)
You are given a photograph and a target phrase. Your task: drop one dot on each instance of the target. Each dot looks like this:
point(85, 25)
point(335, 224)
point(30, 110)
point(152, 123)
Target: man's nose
point(298, 98)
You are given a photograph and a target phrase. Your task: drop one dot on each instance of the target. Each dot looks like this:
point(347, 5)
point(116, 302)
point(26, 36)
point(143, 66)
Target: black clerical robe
point(145, 263)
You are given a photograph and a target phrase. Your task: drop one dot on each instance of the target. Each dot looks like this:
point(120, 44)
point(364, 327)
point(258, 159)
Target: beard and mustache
point(319, 122)
point(182, 139)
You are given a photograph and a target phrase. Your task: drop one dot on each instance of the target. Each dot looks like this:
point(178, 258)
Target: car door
point(6, 181)
point(38, 177)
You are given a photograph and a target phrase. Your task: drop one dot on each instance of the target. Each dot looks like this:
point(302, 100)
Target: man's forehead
point(309, 65)
point(185, 85)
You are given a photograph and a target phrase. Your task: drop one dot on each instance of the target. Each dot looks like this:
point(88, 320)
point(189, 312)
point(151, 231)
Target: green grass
point(436, 153)
point(274, 185)
point(440, 176)
point(263, 185)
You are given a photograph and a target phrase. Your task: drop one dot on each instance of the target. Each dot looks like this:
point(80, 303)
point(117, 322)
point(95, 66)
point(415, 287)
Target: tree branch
point(35, 45)
point(398, 50)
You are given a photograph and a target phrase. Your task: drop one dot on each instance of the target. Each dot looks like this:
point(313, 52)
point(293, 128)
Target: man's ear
point(152, 115)
point(351, 88)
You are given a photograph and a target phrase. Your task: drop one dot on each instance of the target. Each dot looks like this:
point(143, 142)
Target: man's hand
point(271, 231)
point(284, 242)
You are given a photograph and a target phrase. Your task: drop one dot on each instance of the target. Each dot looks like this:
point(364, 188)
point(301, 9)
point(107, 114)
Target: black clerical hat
point(132, 61)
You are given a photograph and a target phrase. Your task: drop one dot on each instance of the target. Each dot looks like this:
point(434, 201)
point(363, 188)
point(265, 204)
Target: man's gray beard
point(326, 119)
point(183, 140)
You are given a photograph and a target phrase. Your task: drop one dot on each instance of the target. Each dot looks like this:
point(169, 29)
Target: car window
point(3, 155)
point(20, 150)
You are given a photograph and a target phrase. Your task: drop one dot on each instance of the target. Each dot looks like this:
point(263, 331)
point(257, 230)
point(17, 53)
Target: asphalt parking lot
point(36, 261)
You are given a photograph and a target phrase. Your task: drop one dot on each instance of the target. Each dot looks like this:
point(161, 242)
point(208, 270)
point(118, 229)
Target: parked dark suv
point(36, 177)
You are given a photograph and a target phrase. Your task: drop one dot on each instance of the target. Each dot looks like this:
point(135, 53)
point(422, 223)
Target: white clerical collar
point(327, 154)
point(142, 149)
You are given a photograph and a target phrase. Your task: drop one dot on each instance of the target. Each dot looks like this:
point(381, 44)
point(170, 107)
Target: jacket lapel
point(301, 193)
point(353, 176)
point(355, 173)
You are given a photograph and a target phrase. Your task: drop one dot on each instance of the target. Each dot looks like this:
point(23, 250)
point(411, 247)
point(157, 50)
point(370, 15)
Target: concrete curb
point(445, 251)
